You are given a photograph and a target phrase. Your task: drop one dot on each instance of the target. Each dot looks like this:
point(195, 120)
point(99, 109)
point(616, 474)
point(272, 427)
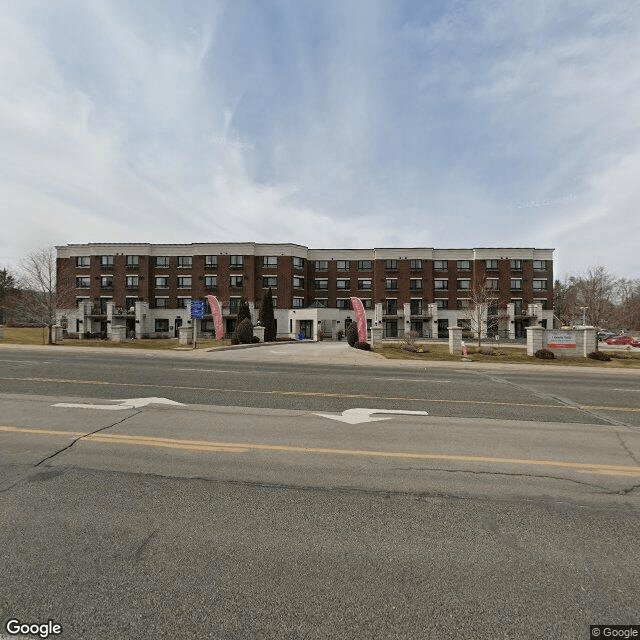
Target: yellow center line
point(320, 394)
point(242, 447)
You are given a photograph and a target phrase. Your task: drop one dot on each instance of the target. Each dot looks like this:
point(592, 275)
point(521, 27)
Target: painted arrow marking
point(130, 403)
point(357, 416)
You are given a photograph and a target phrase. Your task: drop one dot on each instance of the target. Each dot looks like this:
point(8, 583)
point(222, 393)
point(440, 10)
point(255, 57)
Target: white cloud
point(346, 124)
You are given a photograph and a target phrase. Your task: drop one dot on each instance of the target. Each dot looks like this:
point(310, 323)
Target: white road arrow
point(357, 416)
point(130, 403)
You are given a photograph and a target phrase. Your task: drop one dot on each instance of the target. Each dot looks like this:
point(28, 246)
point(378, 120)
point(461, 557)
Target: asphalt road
point(511, 510)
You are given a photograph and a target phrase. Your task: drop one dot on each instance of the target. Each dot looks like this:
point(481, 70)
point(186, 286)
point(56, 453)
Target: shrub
point(545, 354)
point(599, 355)
point(365, 346)
point(255, 339)
point(340, 334)
point(352, 334)
point(244, 331)
point(408, 346)
point(235, 340)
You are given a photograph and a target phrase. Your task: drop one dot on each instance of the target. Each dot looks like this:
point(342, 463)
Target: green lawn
point(508, 355)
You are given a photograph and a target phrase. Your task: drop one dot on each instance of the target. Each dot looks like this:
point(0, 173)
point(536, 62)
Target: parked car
point(629, 340)
point(605, 335)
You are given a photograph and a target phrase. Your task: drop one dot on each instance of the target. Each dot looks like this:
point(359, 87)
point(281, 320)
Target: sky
point(327, 123)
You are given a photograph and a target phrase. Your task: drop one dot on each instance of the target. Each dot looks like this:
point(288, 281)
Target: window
point(343, 284)
point(207, 325)
point(416, 307)
point(321, 283)
point(539, 285)
point(321, 265)
point(298, 263)
point(543, 302)
point(83, 261)
point(464, 285)
point(342, 265)
point(391, 284)
point(464, 265)
point(442, 303)
point(516, 284)
point(492, 308)
point(516, 265)
point(517, 307)
point(539, 265)
point(161, 303)
point(491, 265)
point(322, 303)
point(441, 285)
point(415, 284)
point(298, 303)
point(185, 262)
point(343, 303)
point(234, 303)
point(184, 303)
point(132, 282)
point(162, 282)
point(364, 284)
point(492, 284)
point(236, 281)
point(391, 265)
point(106, 261)
point(236, 262)
point(211, 282)
point(298, 283)
point(162, 325)
point(391, 307)
point(415, 265)
point(367, 303)
point(184, 282)
point(270, 261)
point(364, 265)
point(275, 302)
point(103, 304)
point(269, 281)
point(130, 304)
point(106, 282)
point(133, 261)
point(83, 282)
point(211, 262)
point(440, 265)
point(464, 303)
point(162, 261)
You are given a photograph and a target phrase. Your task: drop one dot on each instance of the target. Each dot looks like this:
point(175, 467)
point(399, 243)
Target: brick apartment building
point(148, 288)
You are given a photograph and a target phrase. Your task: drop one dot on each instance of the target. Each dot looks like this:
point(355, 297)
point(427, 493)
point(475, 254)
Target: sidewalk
point(317, 353)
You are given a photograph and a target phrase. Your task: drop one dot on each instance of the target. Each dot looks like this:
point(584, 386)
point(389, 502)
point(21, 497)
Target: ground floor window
point(162, 325)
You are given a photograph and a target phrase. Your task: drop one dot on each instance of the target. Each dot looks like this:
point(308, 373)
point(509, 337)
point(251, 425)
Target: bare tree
point(591, 295)
point(39, 299)
point(483, 309)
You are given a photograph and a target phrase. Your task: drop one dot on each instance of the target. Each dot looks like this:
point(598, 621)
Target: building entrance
point(306, 328)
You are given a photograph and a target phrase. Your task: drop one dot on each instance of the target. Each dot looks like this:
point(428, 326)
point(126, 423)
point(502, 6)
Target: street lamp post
point(584, 315)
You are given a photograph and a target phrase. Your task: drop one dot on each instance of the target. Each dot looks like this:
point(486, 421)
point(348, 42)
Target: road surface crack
point(86, 435)
point(505, 473)
point(626, 448)
point(143, 545)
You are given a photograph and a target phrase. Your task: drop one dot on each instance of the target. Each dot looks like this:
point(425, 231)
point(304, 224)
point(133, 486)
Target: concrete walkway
point(326, 352)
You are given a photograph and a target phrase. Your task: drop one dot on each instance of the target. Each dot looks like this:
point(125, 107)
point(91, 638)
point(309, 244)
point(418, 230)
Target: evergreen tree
point(266, 317)
point(243, 314)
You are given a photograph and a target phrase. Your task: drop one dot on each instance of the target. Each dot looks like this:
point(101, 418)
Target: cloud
point(326, 124)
